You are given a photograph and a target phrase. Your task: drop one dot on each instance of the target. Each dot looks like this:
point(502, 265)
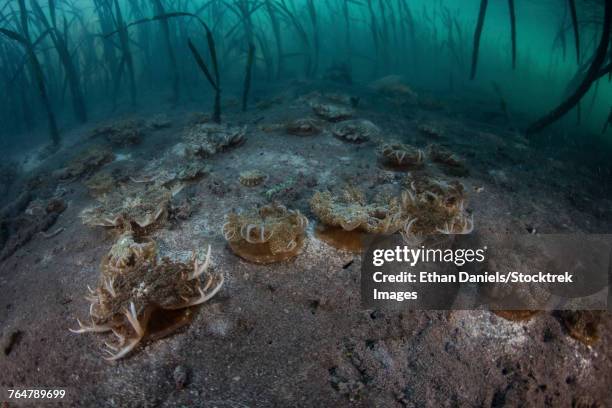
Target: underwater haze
point(102, 54)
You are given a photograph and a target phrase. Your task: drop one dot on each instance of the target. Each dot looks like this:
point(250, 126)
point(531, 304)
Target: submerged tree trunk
point(124, 41)
point(60, 43)
point(36, 70)
point(78, 100)
point(347, 31)
point(593, 73)
point(215, 81)
point(266, 55)
point(374, 31)
point(513, 31)
point(165, 28)
point(247, 77)
point(104, 12)
point(412, 29)
point(278, 38)
point(477, 34)
point(40, 83)
point(572, 6)
point(312, 12)
point(301, 32)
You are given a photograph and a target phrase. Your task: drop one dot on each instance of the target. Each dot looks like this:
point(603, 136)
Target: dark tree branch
point(572, 6)
point(477, 34)
point(591, 76)
point(513, 31)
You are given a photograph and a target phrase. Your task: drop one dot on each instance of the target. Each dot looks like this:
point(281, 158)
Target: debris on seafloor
point(86, 162)
point(141, 297)
point(356, 130)
point(121, 133)
point(400, 156)
point(135, 207)
point(346, 218)
point(266, 235)
point(39, 216)
point(252, 178)
point(207, 139)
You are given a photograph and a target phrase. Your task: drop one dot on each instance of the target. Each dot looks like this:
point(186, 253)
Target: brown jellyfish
point(139, 208)
point(140, 297)
point(356, 131)
point(449, 162)
point(270, 234)
point(332, 112)
point(252, 178)
point(348, 217)
point(400, 156)
point(206, 139)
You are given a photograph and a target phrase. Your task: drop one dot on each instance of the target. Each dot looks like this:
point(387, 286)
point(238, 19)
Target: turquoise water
point(429, 43)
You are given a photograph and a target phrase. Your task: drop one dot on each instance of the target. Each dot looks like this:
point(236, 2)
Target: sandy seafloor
point(293, 333)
